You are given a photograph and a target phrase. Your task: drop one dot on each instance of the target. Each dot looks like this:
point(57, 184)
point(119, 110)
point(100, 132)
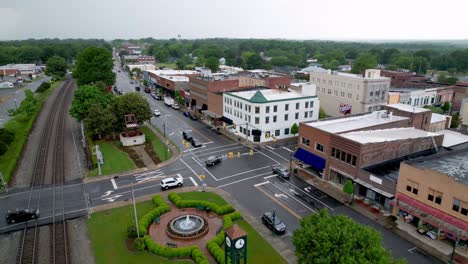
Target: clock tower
point(236, 245)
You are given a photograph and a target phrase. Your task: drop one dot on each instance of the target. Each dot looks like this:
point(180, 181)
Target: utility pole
point(290, 163)
point(4, 184)
point(167, 145)
point(135, 212)
point(100, 159)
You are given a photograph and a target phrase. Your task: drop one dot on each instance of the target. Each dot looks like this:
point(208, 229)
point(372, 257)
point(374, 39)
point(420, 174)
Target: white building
point(417, 97)
point(344, 93)
point(263, 115)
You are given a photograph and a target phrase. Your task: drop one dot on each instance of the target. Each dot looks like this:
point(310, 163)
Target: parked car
point(176, 106)
point(153, 94)
point(137, 88)
point(282, 172)
point(131, 82)
point(190, 115)
point(21, 215)
point(171, 183)
point(187, 135)
point(119, 71)
point(276, 225)
point(195, 144)
point(156, 112)
point(213, 160)
point(147, 90)
point(187, 114)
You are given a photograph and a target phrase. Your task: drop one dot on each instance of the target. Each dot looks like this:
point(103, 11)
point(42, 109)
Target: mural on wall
point(345, 109)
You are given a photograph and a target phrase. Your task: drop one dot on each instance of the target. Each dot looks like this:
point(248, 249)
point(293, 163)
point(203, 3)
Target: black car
point(21, 215)
point(193, 117)
point(195, 144)
point(276, 226)
point(213, 160)
point(187, 135)
point(282, 172)
point(137, 88)
point(147, 90)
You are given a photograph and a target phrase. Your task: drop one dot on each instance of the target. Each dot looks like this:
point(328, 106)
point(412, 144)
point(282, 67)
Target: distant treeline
point(39, 51)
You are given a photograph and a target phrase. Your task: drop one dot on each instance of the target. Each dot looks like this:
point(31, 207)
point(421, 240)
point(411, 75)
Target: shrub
point(181, 203)
point(161, 208)
point(139, 244)
point(43, 87)
point(214, 245)
point(3, 148)
point(132, 232)
point(6, 136)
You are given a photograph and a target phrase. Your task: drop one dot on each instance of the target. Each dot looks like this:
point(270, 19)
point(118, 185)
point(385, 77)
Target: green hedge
point(161, 208)
point(214, 245)
point(186, 252)
point(181, 203)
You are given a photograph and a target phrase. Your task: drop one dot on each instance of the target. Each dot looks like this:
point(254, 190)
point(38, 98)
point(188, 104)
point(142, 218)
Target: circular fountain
point(187, 227)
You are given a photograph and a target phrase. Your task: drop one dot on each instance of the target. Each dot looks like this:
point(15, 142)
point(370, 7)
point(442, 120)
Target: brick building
point(402, 79)
point(169, 80)
point(460, 92)
point(421, 118)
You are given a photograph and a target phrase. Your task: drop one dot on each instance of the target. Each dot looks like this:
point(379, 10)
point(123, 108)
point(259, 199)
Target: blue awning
point(313, 160)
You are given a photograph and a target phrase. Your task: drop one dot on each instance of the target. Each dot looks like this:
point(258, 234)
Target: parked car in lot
point(282, 172)
point(187, 135)
point(195, 144)
point(137, 88)
point(176, 106)
point(171, 183)
point(21, 215)
point(213, 160)
point(156, 112)
point(273, 222)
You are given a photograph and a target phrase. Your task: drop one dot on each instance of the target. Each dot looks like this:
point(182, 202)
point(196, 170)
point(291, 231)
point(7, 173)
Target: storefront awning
point(313, 160)
point(435, 217)
point(226, 120)
point(373, 188)
point(211, 114)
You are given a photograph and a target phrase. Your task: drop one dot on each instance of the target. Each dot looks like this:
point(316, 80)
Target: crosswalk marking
point(142, 177)
point(114, 184)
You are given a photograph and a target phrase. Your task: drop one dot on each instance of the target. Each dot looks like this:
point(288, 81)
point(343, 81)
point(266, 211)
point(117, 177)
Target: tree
point(254, 62)
point(323, 238)
point(94, 64)
point(183, 62)
point(100, 121)
point(443, 78)
point(56, 66)
point(85, 97)
point(294, 129)
point(348, 187)
point(456, 120)
point(322, 113)
point(161, 55)
point(212, 63)
point(363, 62)
point(131, 103)
point(446, 107)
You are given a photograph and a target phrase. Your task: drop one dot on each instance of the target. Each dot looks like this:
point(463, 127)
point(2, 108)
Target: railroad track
point(28, 249)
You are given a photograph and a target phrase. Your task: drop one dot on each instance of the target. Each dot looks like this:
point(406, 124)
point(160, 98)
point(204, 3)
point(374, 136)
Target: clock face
point(240, 243)
point(228, 242)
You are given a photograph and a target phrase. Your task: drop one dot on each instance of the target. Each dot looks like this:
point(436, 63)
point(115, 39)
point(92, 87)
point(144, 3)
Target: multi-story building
point(138, 59)
point(402, 79)
point(358, 147)
point(460, 93)
point(432, 194)
point(18, 69)
point(421, 118)
point(419, 96)
point(464, 114)
point(262, 115)
point(344, 93)
point(169, 81)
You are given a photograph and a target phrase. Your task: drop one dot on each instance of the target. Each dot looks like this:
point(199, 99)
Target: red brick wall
point(215, 103)
point(418, 120)
point(224, 85)
point(272, 82)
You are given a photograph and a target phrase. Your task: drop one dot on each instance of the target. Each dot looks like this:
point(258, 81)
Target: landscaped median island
point(190, 228)
point(115, 160)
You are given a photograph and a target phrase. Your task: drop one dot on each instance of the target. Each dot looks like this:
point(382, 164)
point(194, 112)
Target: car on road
point(131, 82)
point(21, 215)
point(137, 88)
point(282, 172)
point(156, 112)
point(171, 183)
point(187, 135)
point(195, 144)
point(119, 71)
point(213, 160)
point(273, 222)
point(176, 106)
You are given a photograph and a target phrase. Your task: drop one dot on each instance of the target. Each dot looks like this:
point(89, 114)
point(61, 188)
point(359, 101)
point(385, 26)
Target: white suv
point(172, 182)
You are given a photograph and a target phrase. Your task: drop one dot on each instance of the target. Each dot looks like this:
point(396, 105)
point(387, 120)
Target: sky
point(291, 19)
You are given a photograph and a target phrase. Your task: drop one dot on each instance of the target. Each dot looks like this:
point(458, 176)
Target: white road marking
point(112, 198)
point(287, 149)
point(294, 186)
point(114, 184)
point(211, 152)
point(245, 179)
point(293, 197)
point(240, 173)
point(274, 175)
point(142, 177)
point(262, 183)
point(278, 155)
point(190, 168)
point(270, 147)
point(107, 193)
point(411, 250)
point(209, 149)
point(204, 168)
point(277, 163)
point(193, 181)
point(280, 195)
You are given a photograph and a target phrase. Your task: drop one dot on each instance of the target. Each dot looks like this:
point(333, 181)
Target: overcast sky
point(292, 19)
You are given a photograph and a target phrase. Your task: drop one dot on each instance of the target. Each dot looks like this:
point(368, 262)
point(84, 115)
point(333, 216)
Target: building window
point(286, 131)
point(305, 141)
point(377, 93)
point(249, 119)
point(267, 119)
point(257, 120)
point(267, 109)
point(342, 94)
point(277, 133)
point(456, 205)
point(350, 95)
point(319, 147)
point(275, 108)
point(353, 162)
point(335, 92)
point(311, 114)
point(257, 110)
point(357, 96)
point(434, 196)
point(311, 104)
point(286, 117)
point(337, 177)
point(297, 115)
point(306, 114)
point(371, 94)
point(412, 187)
point(464, 209)
point(329, 91)
point(274, 119)
point(286, 107)
point(306, 104)
point(297, 106)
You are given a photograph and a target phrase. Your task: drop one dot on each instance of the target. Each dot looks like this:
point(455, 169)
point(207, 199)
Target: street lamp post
point(290, 163)
point(167, 145)
point(135, 212)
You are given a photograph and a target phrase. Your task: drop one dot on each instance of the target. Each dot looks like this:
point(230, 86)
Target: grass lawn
point(205, 196)
point(158, 144)
point(108, 231)
point(115, 160)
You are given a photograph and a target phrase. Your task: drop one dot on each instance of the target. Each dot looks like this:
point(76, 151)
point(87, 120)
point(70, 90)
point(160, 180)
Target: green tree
point(348, 187)
point(212, 63)
point(456, 120)
point(322, 113)
point(94, 64)
point(443, 78)
point(446, 107)
point(183, 62)
point(161, 55)
point(434, 109)
point(86, 96)
point(323, 238)
point(131, 103)
point(100, 121)
point(254, 62)
point(178, 98)
point(56, 66)
point(294, 129)
point(363, 62)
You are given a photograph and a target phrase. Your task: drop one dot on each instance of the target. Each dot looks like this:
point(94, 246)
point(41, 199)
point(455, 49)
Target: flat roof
point(172, 72)
point(340, 125)
point(452, 138)
point(352, 75)
point(453, 163)
point(383, 135)
point(436, 118)
point(269, 94)
point(409, 108)
point(176, 78)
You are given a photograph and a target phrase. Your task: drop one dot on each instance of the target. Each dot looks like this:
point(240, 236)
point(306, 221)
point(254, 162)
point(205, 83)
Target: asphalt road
point(248, 178)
